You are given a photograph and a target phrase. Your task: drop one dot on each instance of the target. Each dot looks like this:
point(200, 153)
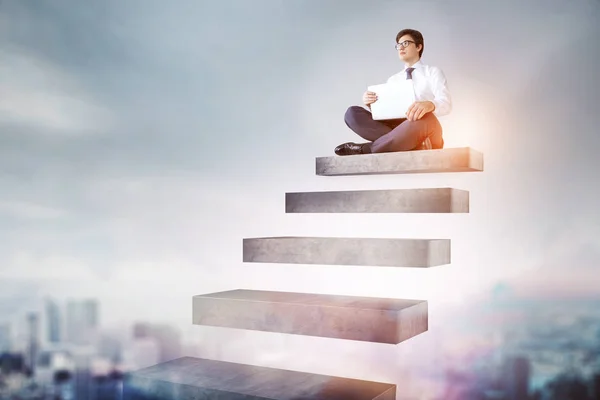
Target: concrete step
point(377, 252)
point(462, 159)
point(191, 378)
point(434, 200)
point(369, 319)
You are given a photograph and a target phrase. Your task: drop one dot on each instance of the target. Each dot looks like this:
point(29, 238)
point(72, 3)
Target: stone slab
point(462, 159)
point(428, 200)
point(190, 378)
point(380, 320)
point(377, 252)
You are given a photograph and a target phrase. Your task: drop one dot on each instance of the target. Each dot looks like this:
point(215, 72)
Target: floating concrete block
point(435, 200)
point(402, 162)
point(190, 378)
point(378, 252)
point(369, 319)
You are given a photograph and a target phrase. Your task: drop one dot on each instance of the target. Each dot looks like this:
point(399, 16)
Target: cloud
point(152, 227)
point(25, 265)
point(40, 97)
point(569, 267)
point(168, 89)
point(28, 210)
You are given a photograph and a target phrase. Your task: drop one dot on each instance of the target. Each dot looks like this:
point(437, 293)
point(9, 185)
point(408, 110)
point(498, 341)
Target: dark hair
point(416, 36)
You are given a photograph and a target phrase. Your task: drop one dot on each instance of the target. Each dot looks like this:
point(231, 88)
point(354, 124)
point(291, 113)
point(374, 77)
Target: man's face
point(407, 50)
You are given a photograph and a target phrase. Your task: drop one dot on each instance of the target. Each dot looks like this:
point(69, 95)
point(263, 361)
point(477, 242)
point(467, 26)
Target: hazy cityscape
point(62, 352)
point(547, 348)
point(538, 349)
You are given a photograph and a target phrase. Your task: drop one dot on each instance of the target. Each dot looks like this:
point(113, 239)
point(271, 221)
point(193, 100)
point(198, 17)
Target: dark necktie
point(409, 73)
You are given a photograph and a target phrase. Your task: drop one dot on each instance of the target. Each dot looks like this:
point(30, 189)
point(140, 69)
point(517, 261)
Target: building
point(53, 322)
point(82, 322)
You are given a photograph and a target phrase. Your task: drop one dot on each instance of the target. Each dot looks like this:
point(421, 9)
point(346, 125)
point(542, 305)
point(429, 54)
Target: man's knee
point(427, 118)
point(433, 129)
point(431, 116)
point(352, 113)
point(429, 122)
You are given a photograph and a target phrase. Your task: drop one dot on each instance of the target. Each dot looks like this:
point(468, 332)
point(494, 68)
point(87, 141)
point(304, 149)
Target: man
point(421, 128)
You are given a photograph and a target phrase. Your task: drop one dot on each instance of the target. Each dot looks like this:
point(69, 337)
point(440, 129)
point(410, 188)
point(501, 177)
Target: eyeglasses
point(404, 44)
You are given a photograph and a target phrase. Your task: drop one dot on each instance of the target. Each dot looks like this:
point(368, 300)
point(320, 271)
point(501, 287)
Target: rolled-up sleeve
point(442, 98)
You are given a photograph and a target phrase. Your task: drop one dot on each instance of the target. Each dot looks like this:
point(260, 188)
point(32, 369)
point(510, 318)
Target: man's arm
point(442, 100)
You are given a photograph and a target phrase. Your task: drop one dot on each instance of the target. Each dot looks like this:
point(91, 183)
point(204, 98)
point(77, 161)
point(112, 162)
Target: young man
point(421, 128)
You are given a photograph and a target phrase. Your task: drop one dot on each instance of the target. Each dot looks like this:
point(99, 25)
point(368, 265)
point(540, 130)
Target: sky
point(141, 141)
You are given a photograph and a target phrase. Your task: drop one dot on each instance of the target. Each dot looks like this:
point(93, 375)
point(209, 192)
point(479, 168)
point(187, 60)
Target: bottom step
point(190, 378)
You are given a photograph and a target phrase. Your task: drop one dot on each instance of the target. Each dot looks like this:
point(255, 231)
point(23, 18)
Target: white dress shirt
point(430, 84)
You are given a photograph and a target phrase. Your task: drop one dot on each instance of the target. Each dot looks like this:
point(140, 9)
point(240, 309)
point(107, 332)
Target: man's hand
point(418, 109)
point(369, 98)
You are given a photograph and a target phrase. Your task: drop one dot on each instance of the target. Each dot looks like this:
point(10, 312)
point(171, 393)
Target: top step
point(462, 159)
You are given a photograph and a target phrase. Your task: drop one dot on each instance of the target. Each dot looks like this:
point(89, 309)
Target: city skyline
point(549, 345)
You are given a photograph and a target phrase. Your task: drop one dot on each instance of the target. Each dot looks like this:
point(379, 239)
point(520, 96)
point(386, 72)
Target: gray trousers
point(395, 134)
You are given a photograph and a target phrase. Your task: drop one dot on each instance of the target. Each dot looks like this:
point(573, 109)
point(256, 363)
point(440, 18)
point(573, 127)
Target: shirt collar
point(418, 64)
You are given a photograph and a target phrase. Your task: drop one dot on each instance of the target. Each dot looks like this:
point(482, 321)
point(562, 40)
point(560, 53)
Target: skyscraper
point(5, 339)
point(33, 336)
point(53, 321)
point(167, 337)
point(82, 321)
point(596, 386)
point(517, 371)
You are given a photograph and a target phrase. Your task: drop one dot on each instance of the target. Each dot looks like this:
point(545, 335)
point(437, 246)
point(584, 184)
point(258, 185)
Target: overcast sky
point(141, 141)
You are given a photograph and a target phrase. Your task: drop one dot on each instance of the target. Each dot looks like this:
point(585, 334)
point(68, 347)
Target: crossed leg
point(394, 135)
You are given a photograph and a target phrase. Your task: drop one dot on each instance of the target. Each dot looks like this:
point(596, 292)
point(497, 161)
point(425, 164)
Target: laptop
point(393, 99)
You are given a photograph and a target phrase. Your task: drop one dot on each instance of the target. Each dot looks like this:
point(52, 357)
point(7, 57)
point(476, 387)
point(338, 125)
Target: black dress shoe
point(348, 149)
